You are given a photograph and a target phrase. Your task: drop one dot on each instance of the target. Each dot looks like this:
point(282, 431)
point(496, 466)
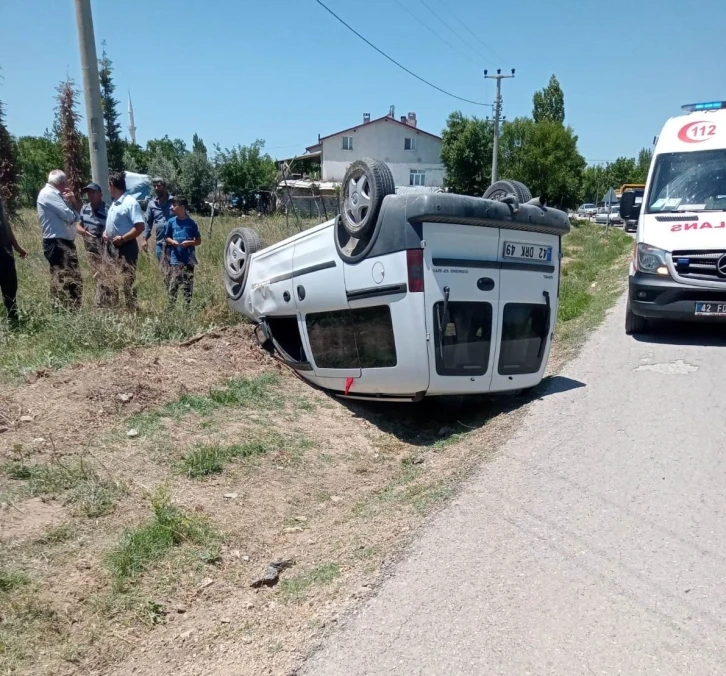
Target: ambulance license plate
point(528, 252)
point(711, 309)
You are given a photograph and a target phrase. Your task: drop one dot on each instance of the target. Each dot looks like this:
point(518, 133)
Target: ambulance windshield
point(692, 181)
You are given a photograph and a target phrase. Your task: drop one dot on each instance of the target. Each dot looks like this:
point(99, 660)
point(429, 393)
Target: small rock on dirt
point(132, 434)
point(3, 428)
point(206, 582)
point(225, 620)
point(294, 529)
point(271, 574)
point(230, 496)
point(26, 418)
point(181, 608)
point(245, 558)
point(335, 498)
point(301, 519)
point(124, 398)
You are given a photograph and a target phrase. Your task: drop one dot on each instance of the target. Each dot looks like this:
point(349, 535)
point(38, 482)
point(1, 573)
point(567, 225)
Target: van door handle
point(548, 319)
point(301, 292)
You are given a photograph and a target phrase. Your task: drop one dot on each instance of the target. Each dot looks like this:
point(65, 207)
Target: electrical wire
point(476, 37)
point(392, 60)
point(435, 34)
point(458, 35)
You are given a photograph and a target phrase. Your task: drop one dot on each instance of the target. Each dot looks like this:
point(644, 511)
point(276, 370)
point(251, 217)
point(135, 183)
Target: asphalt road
point(594, 543)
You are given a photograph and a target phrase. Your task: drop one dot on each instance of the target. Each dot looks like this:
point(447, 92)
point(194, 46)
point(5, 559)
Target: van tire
point(634, 324)
point(241, 244)
point(365, 184)
point(501, 189)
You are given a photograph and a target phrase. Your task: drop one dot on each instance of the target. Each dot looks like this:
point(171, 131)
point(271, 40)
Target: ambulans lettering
point(678, 227)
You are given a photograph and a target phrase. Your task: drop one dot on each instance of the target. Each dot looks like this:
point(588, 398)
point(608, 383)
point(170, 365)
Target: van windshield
point(694, 181)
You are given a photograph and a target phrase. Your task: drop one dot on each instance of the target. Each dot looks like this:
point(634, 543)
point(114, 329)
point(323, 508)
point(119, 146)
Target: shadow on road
point(438, 420)
point(684, 333)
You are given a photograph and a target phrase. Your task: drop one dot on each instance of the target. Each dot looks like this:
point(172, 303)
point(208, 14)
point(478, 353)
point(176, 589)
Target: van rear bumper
point(656, 297)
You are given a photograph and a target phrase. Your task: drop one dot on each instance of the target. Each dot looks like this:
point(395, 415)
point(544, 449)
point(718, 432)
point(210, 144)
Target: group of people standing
point(110, 235)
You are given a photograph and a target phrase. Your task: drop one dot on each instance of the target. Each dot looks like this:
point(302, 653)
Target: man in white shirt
point(124, 223)
point(58, 213)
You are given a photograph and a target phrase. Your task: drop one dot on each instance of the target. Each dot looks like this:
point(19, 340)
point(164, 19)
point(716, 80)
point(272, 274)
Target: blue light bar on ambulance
point(710, 105)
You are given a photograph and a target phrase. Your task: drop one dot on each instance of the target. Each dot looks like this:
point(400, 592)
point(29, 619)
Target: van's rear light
point(414, 261)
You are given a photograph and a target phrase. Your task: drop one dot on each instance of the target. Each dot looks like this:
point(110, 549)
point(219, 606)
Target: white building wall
point(384, 141)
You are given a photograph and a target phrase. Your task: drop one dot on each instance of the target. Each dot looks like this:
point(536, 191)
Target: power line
point(458, 35)
point(434, 33)
point(392, 60)
point(476, 37)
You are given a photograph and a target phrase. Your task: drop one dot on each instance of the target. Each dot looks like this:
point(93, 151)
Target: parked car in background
point(607, 215)
point(405, 296)
point(587, 210)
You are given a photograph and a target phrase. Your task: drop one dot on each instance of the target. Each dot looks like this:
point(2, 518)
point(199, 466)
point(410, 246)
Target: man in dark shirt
point(8, 274)
point(158, 213)
point(182, 237)
point(91, 228)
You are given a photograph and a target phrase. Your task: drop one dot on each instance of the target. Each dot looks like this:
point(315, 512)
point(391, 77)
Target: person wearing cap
point(158, 213)
point(124, 224)
point(91, 228)
point(8, 274)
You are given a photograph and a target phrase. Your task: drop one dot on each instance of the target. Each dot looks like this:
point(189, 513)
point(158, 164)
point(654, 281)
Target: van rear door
point(461, 289)
point(528, 294)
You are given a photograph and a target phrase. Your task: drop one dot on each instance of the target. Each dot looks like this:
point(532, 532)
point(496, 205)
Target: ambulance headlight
point(651, 260)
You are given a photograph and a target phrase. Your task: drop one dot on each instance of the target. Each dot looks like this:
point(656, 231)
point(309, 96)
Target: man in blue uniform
point(158, 213)
point(182, 237)
point(124, 223)
point(91, 228)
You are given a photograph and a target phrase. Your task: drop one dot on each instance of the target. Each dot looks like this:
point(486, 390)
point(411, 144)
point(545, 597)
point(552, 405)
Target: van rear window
point(524, 327)
point(352, 339)
point(467, 335)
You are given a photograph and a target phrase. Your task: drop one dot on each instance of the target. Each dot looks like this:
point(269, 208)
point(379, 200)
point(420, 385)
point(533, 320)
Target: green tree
point(172, 150)
point(37, 156)
point(596, 180)
point(642, 165)
point(246, 168)
point(544, 156)
point(548, 105)
point(67, 118)
point(196, 175)
point(466, 152)
point(114, 142)
point(136, 159)
point(623, 170)
point(9, 188)
point(162, 165)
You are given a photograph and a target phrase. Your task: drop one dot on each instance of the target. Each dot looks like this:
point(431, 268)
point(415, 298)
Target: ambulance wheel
point(241, 244)
point(501, 189)
point(365, 184)
point(634, 324)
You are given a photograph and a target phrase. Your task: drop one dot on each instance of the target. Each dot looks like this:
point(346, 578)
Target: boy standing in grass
point(182, 237)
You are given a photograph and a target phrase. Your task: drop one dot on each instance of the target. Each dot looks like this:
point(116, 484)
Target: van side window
point(351, 339)
point(467, 337)
point(523, 329)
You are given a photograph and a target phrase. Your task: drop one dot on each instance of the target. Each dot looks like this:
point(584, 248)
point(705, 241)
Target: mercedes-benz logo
point(721, 266)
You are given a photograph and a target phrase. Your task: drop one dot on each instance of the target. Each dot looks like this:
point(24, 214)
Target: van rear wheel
point(241, 244)
point(365, 184)
point(501, 189)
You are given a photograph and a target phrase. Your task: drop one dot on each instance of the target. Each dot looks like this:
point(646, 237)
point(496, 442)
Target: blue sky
point(284, 71)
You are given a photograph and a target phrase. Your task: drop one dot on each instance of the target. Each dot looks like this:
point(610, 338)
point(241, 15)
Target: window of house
point(467, 336)
point(524, 330)
point(347, 143)
point(417, 177)
point(351, 339)
point(409, 144)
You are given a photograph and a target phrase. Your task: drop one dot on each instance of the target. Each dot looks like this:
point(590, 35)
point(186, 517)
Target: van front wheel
point(634, 324)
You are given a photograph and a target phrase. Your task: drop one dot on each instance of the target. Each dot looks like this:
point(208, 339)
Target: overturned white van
point(406, 296)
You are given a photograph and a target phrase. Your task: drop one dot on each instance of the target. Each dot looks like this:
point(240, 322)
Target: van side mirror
point(628, 208)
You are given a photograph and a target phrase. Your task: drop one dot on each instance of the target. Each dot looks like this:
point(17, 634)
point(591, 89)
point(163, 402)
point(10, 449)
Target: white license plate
point(527, 252)
point(711, 309)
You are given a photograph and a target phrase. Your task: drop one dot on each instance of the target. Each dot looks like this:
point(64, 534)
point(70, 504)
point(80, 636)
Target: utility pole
point(497, 116)
point(92, 96)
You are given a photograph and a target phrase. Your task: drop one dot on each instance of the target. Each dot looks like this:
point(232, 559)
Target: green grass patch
point(10, 580)
point(170, 526)
point(295, 589)
point(80, 485)
point(212, 458)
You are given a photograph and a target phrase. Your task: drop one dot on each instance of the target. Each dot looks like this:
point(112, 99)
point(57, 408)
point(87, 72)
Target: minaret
point(132, 126)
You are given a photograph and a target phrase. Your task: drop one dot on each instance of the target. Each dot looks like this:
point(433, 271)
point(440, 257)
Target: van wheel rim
point(236, 256)
point(358, 200)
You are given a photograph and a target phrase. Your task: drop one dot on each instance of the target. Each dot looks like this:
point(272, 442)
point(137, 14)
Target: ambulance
point(678, 271)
